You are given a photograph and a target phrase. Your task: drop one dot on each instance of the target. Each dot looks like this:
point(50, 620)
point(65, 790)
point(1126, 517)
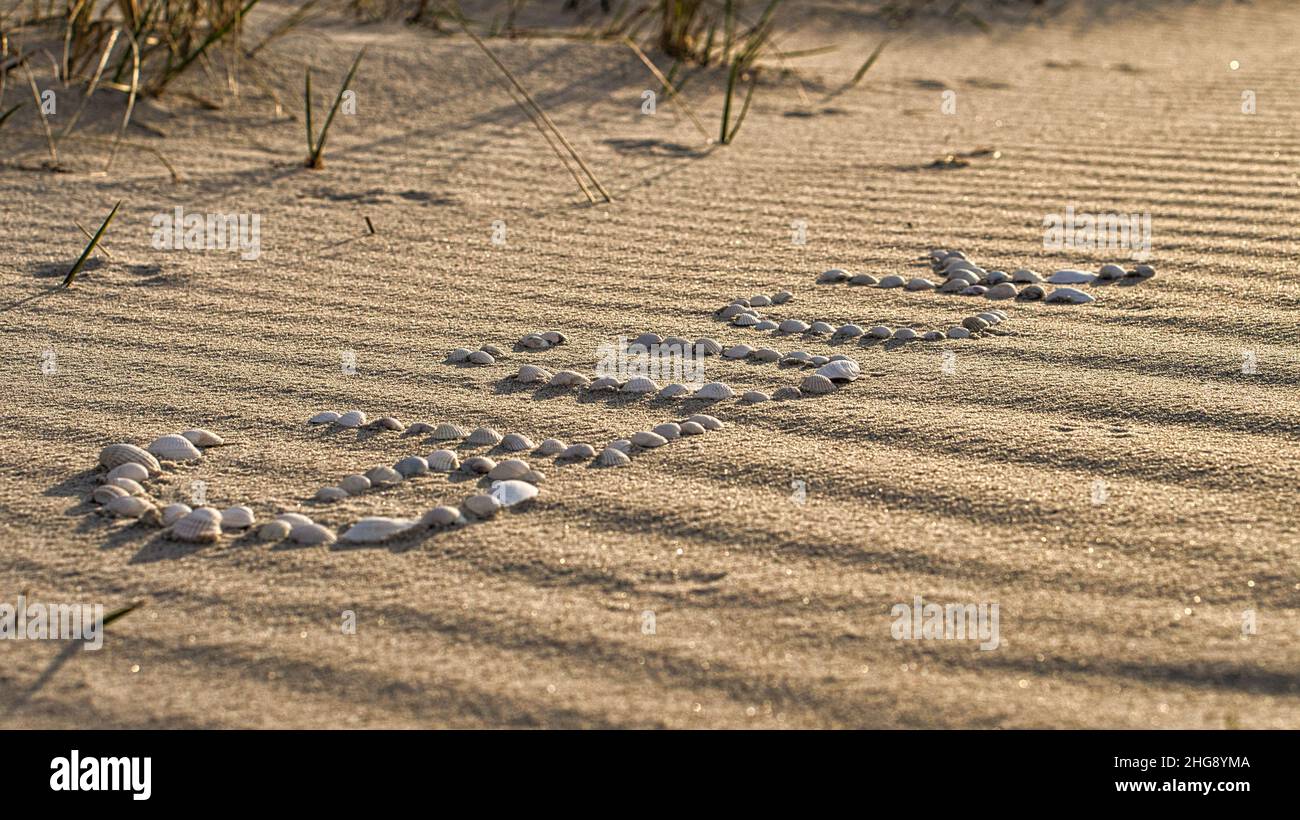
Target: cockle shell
point(1025, 276)
point(1005, 290)
point(958, 332)
point(975, 290)
point(843, 370)
point(1072, 277)
point(1110, 272)
point(442, 516)
point(787, 393)
point(517, 443)
point(863, 279)
point(760, 301)
point(793, 326)
point(1070, 296)
point(203, 438)
point(919, 283)
point(484, 436)
point(832, 275)
point(568, 378)
point(131, 470)
point(294, 519)
point(173, 448)
point(481, 357)
point(623, 445)
point(105, 493)
point(376, 530)
point(821, 328)
point(508, 469)
point(354, 484)
point(714, 390)
point(329, 495)
point(647, 340)
point(706, 421)
point(550, 447)
point(796, 357)
point(482, 506)
point(116, 454)
point(674, 391)
point(818, 361)
point(1142, 271)
point(443, 461)
point(492, 350)
point(531, 373)
point(990, 317)
point(647, 439)
point(130, 506)
point(997, 277)
point(383, 476)
point(605, 383)
point(609, 457)
point(311, 534)
point(640, 384)
point(754, 396)
point(1031, 294)
point(324, 417)
point(731, 311)
point(848, 331)
point(174, 512)
point(203, 525)
point(411, 466)
point(131, 486)
point(711, 347)
point(387, 423)
point(446, 432)
point(510, 493)
point(781, 297)
point(745, 320)
point(954, 286)
point(690, 428)
point(418, 429)
point(766, 324)
point(880, 332)
point(237, 518)
point(892, 281)
point(934, 336)
point(670, 430)
point(904, 334)
point(352, 418)
point(974, 324)
point(459, 355)
point(534, 341)
point(274, 530)
point(478, 464)
point(766, 354)
point(555, 337)
point(737, 352)
point(816, 384)
point(578, 451)
point(675, 341)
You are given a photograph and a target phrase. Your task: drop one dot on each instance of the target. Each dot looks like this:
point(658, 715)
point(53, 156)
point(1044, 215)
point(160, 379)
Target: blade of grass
point(130, 103)
point(871, 60)
point(49, 135)
point(306, 94)
point(216, 34)
point(94, 83)
point(667, 84)
point(315, 160)
point(726, 103)
point(540, 126)
point(91, 236)
point(744, 109)
point(81, 261)
point(6, 115)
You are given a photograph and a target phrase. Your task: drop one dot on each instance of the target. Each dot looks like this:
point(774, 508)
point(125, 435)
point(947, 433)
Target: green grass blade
point(338, 99)
point(216, 34)
point(6, 115)
point(76, 268)
point(726, 104)
point(311, 148)
point(744, 109)
point(871, 60)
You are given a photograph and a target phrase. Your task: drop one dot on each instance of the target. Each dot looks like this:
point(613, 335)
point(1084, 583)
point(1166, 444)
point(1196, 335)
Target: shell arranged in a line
point(131, 470)
point(645, 438)
point(550, 447)
point(670, 430)
point(796, 357)
point(105, 493)
point(863, 279)
point(690, 428)
point(534, 341)
point(442, 516)
point(848, 331)
point(201, 526)
point(732, 310)
point(640, 384)
point(481, 357)
point(954, 286)
point(174, 512)
point(1110, 272)
point(510, 493)
point(975, 290)
point(1072, 277)
point(482, 506)
point(387, 423)
point(568, 378)
point(531, 373)
point(578, 451)
point(376, 530)
point(129, 506)
point(1142, 271)
point(517, 443)
point(173, 448)
point(383, 477)
point(904, 334)
point(325, 417)
point(354, 484)
point(821, 328)
point(843, 370)
point(492, 350)
point(714, 391)
point(352, 418)
point(737, 351)
point(818, 361)
point(1006, 290)
point(745, 320)
point(997, 277)
point(555, 337)
point(484, 436)
point(477, 464)
point(958, 332)
point(237, 518)
point(311, 534)
point(203, 438)
point(510, 468)
point(706, 421)
point(816, 384)
point(605, 383)
point(647, 340)
point(1025, 276)
point(934, 336)
point(276, 530)
point(623, 445)
point(787, 393)
point(754, 396)
point(1031, 294)
point(447, 432)
point(793, 326)
point(1069, 296)
point(919, 283)
point(760, 301)
point(893, 280)
point(442, 461)
point(766, 354)
point(329, 495)
point(781, 297)
point(880, 332)
point(832, 275)
point(674, 391)
point(609, 457)
point(459, 355)
point(974, 324)
point(131, 486)
point(711, 347)
point(411, 466)
point(990, 317)
point(116, 454)
point(294, 519)
point(420, 428)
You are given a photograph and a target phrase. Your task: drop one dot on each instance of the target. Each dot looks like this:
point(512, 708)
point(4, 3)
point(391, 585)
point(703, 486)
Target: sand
point(967, 478)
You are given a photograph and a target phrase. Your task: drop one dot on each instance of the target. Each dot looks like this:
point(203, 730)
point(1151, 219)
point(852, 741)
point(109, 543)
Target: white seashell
point(843, 370)
point(459, 355)
point(609, 457)
point(754, 396)
point(1031, 293)
point(787, 393)
point(1142, 271)
point(818, 361)
point(919, 283)
point(760, 301)
point(1110, 272)
point(478, 464)
point(737, 352)
point(990, 317)
point(107, 492)
point(550, 447)
point(117, 454)
point(605, 383)
point(880, 332)
point(387, 423)
point(129, 486)
point(484, 436)
point(863, 279)
point(203, 438)
point(1025, 276)
point(442, 516)
point(745, 320)
point(311, 534)
point(325, 417)
point(420, 428)
point(510, 468)
point(997, 277)
point(781, 297)
point(517, 443)
point(958, 332)
point(294, 519)
point(555, 337)
point(173, 448)
point(1005, 290)
point(816, 384)
point(904, 334)
point(731, 311)
point(848, 331)
point(669, 430)
point(411, 466)
point(274, 531)
point(706, 421)
point(892, 281)
point(821, 328)
point(481, 357)
point(934, 336)
point(640, 384)
point(376, 530)
point(690, 428)
point(974, 324)
point(510, 493)
point(648, 340)
point(329, 495)
point(711, 347)
point(793, 326)
point(354, 484)
point(531, 373)
point(1069, 296)
point(237, 518)
point(578, 451)
point(766, 354)
point(203, 525)
point(674, 391)
point(446, 432)
point(352, 418)
point(832, 275)
point(568, 378)
point(131, 470)
point(1072, 277)
point(492, 350)
point(647, 439)
point(797, 357)
point(534, 341)
point(975, 290)
point(482, 506)
point(383, 477)
point(713, 391)
point(622, 445)
point(443, 461)
point(954, 286)
point(766, 324)
point(129, 506)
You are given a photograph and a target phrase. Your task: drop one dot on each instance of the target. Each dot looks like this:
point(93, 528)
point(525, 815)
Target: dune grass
point(90, 248)
point(316, 145)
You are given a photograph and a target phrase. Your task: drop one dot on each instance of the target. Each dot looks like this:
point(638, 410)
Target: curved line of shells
point(741, 313)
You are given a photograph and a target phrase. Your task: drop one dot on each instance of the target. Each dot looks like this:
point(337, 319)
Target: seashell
point(482, 506)
point(766, 324)
point(975, 290)
point(481, 357)
point(329, 495)
point(446, 432)
point(605, 383)
point(1025, 276)
point(648, 340)
point(107, 492)
point(1031, 293)
point(293, 519)
point(745, 320)
point(880, 332)
point(954, 286)
point(534, 341)
point(781, 297)
point(237, 518)
point(674, 391)
point(531, 373)
point(893, 280)
point(647, 439)
point(1072, 277)
point(376, 530)
point(492, 350)
point(787, 393)
point(1005, 290)
point(848, 331)
point(919, 283)
point(517, 443)
point(760, 301)
point(129, 486)
point(274, 531)
point(609, 457)
point(387, 423)
point(754, 396)
point(420, 428)
point(818, 361)
point(311, 533)
point(1109, 273)
point(555, 337)
point(904, 334)
point(766, 354)
point(442, 516)
point(117, 454)
point(1069, 296)
point(797, 356)
point(510, 493)
point(203, 438)
point(640, 384)
point(510, 468)
point(550, 447)
point(863, 279)
point(199, 527)
point(958, 332)
point(568, 378)
point(690, 428)
point(578, 451)
point(713, 391)
point(711, 347)
point(131, 470)
point(174, 448)
point(934, 336)
point(974, 324)
point(832, 275)
point(383, 477)
point(1142, 271)
point(997, 277)
point(731, 311)
point(484, 436)
point(990, 317)
point(622, 445)
point(477, 464)
point(793, 326)
point(174, 512)
point(442, 461)
point(352, 418)
point(354, 484)
point(411, 466)
point(706, 421)
point(821, 328)
point(326, 417)
point(130, 506)
point(843, 370)
point(669, 430)
point(816, 384)
point(737, 352)
point(459, 355)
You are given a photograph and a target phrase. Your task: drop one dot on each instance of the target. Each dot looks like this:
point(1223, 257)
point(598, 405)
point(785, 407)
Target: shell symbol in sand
point(737, 352)
point(713, 391)
point(354, 484)
point(482, 506)
point(568, 378)
point(459, 355)
point(796, 357)
point(818, 361)
point(731, 311)
point(1069, 296)
point(510, 493)
point(975, 290)
point(325, 417)
point(787, 393)
point(383, 477)
point(311, 533)
point(1110, 272)
point(767, 354)
point(173, 448)
point(919, 283)
point(294, 519)
point(274, 530)
point(203, 525)
point(237, 518)
point(442, 516)
point(175, 512)
point(484, 437)
point(531, 373)
point(420, 428)
point(754, 396)
point(954, 286)
point(443, 461)
point(550, 447)
point(760, 301)
point(674, 391)
point(446, 432)
point(107, 492)
point(793, 326)
point(706, 421)
point(117, 454)
point(990, 317)
point(481, 357)
point(623, 445)
point(388, 423)
point(640, 384)
point(352, 418)
point(130, 506)
point(816, 384)
point(555, 337)
point(934, 336)
point(974, 324)
point(517, 443)
point(843, 370)
point(745, 320)
point(131, 470)
point(647, 439)
point(1024, 276)
point(880, 332)
point(578, 451)
point(670, 430)
point(203, 438)
point(647, 340)
point(781, 297)
point(609, 457)
point(1142, 271)
point(766, 324)
point(130, 486)
point(376, 529)
point(893, 280)
point(605, 383)
point(330, 495)
point(411, 466)
point(1031, 294)
point(958, 332)
point(690, 428)
point(508, 469)
point(478, 464)
point(832, 275)
point(710, 346)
